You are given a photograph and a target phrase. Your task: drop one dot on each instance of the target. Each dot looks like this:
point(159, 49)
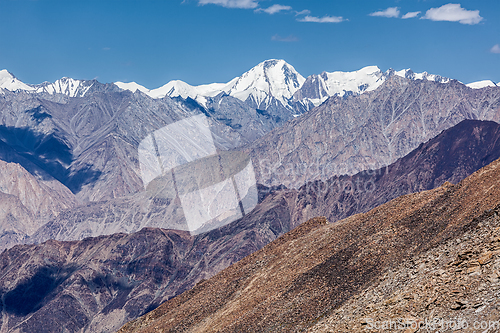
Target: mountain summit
point(269, 79)
point(66, 86)
point(10, 82)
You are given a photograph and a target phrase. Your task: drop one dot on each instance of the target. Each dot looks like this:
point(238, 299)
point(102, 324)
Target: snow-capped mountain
point(177, 88)
point(409, 74)
point(9, 82)
point(132, 86)
point(269, 79)
point(318, 88)
point(276, 80)
point(66, 86)
point(481, 84)
point(272, 83)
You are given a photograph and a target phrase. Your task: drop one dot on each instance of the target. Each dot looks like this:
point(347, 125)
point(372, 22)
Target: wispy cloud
point(495, 49)
point(324, 19)
point(274, 9)
point(410, 15)
point(288, 39)
point(245, 4)
point(303, 12)
point(453, 12)
point(389, 12)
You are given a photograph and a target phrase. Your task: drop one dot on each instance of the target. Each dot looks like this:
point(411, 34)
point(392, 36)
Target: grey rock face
point(89, 144)
point(451, 156)
point(247, 118)
point(27, 203)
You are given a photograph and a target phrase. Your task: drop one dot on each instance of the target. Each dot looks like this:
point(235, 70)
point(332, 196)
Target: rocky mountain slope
point(112, 279)
point(90, 144)
point(451, 156)
point(453, 286)
point(98, 284)
point(27, 203)
point(309, 273)
point(348, 135)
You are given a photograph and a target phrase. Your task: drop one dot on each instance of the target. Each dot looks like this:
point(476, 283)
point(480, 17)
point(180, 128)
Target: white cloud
point(495, 49)
point(290, 38)
point(303, 12)
point(389, 12)
point(274, 9)
point(453, 12)
point(246, 4)
point(410, 15)
point(324, 19)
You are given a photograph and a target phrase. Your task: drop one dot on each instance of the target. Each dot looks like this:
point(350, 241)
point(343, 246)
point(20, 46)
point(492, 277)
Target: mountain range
point(89, 244)
point(88, 144)
point(269, 82)
point(108, 280)
point(346, 135)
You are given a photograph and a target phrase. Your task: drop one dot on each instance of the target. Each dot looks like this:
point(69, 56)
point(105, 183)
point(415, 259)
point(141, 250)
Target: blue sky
point(200, 41)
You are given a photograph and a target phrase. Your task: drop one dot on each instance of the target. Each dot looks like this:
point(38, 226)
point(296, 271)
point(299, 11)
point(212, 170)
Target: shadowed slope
point(451, 156)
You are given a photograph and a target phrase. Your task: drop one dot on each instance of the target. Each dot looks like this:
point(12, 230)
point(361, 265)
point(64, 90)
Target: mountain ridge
point(66, 86)
point(473, 145)
point(346, 135)
point(268, 80)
